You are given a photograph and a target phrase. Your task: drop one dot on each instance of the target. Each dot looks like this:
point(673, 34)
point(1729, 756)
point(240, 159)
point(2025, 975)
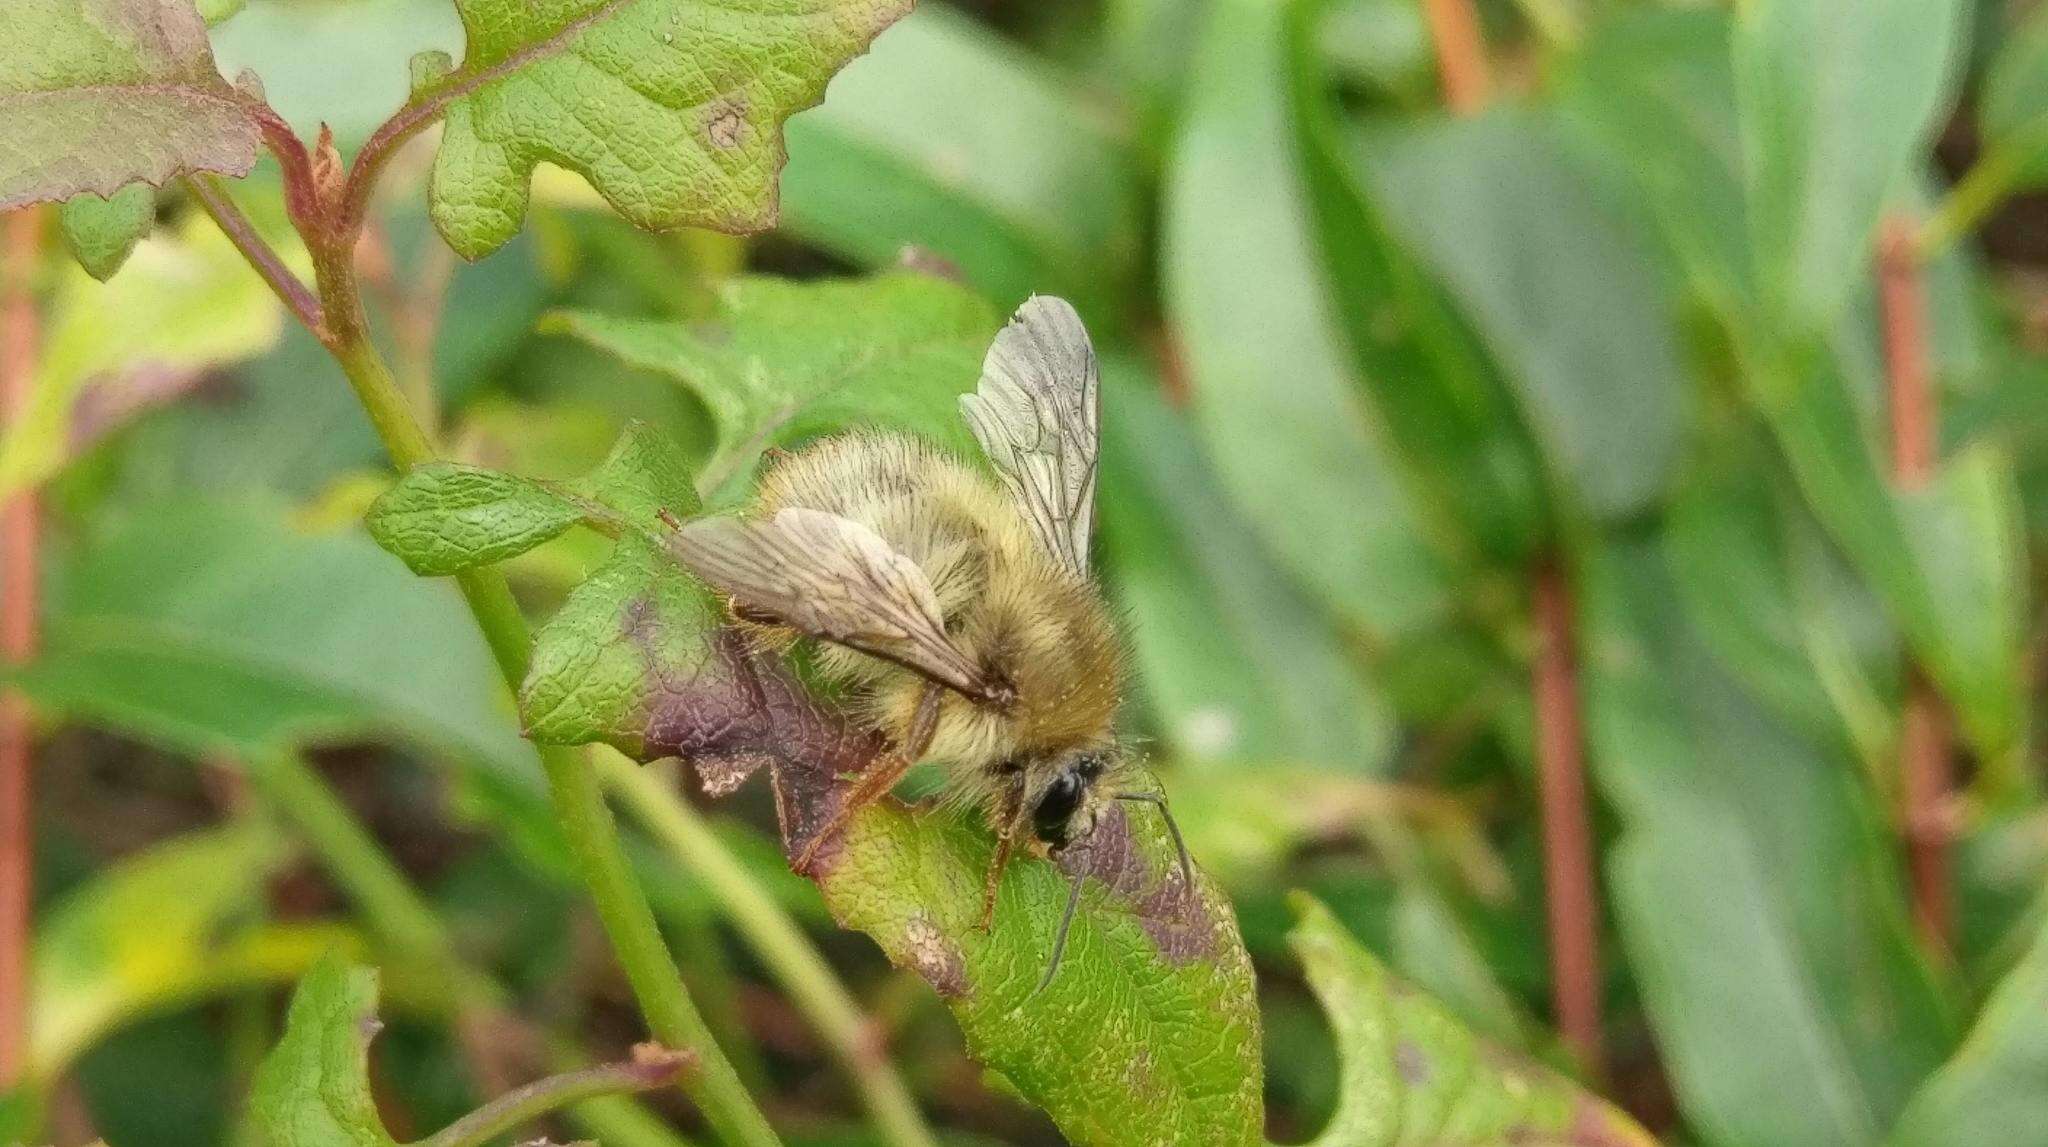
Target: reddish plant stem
point(213, 198)
point(20, 240)
point(1571, 900)
point(1460, 53)
point(1926, 772)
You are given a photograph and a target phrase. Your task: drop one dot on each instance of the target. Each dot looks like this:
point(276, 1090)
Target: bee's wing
point(1037, 415)
point(835, 579)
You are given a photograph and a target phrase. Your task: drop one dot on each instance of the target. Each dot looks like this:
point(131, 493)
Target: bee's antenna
point(1187, 867)
point(1059, 938)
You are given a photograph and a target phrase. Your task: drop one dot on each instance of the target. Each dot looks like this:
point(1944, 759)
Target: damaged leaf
point(98, 94)
point(673, 109)
point(784, 362)
point(1412, 1074)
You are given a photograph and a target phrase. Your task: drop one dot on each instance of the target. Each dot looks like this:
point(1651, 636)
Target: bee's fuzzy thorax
point(1043, 629)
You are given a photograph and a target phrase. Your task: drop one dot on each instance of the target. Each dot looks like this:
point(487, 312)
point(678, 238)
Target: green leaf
point(1234, 660)
point(1838, 99)
point(638, 632)
point(98, 94)
point(175, 923)
point(1990, 1091)
point(219, 628)
point(444, 517)
point(1946, 559)
point(1440, 396)
point(1656, 88)
point(1412, 1074)
point(1151, 1022)
point(673, 109)
point(313, 1088)
point(948, 140)
point(187, 303)
point(1271, 391)
point(1554, 277)
point(2012, 112)
point(1754, 884)
point(101, 232)
point(784, 362)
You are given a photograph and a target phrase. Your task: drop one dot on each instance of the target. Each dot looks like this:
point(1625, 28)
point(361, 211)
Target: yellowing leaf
point(186, 302)
point(672, 108)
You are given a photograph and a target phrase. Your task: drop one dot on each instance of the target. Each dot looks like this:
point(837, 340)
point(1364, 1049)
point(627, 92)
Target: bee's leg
point(1011, 827)
point(878, 778)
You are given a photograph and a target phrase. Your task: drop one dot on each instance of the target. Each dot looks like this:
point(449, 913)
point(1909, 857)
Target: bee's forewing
point(1037, 417)
point(835, 579)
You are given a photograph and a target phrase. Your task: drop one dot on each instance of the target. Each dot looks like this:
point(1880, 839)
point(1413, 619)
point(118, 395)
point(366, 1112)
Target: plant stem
point(1460, 53)
point(296, 296)
point(579, 804)
point(1925, 770)
point(1980, 192)
point(386, 898)
point(523, 1105)
point(20, 244)
point(1571, 901)
point(777, 942)
point(1571, 898)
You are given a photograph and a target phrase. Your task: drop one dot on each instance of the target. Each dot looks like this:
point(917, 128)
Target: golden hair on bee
point(956, 611)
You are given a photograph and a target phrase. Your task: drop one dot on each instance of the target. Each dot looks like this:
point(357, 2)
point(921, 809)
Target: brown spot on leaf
point(934, 957)
point(1166, 908)
point(725, 122)
point(1412, 1063)
point(743, 711)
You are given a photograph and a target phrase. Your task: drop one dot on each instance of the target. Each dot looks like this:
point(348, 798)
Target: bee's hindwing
point(1037, 417)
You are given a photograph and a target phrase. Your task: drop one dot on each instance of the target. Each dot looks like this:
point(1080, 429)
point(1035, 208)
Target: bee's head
point(1066, 808)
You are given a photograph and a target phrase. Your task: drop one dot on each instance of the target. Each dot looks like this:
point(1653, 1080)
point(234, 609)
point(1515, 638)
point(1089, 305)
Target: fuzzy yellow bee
point(957, 613)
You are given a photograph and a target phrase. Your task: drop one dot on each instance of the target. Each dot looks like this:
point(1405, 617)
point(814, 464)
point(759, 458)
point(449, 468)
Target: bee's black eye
point(1056, 807)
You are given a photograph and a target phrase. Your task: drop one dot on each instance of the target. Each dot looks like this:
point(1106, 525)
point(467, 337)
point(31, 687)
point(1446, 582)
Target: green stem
point(1995, 175)
point(579, 804)
point(386, 898)
point(778, 942)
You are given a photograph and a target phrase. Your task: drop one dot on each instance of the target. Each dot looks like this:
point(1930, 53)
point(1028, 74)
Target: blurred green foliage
point(1366, 364)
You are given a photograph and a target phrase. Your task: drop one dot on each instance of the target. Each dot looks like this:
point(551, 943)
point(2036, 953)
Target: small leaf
point(313, 1089)
point(1411, 1074)
point(672, 108)
point(1837, 99)
point(2013, 110)
point(785, 362)
point(948, 139)
point(101, 232)
point(444, 517)
point(98, 94)
point(1270, 387)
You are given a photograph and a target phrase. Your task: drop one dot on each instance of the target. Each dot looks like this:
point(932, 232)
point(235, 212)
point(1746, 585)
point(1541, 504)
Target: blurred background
point(1487, 411)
